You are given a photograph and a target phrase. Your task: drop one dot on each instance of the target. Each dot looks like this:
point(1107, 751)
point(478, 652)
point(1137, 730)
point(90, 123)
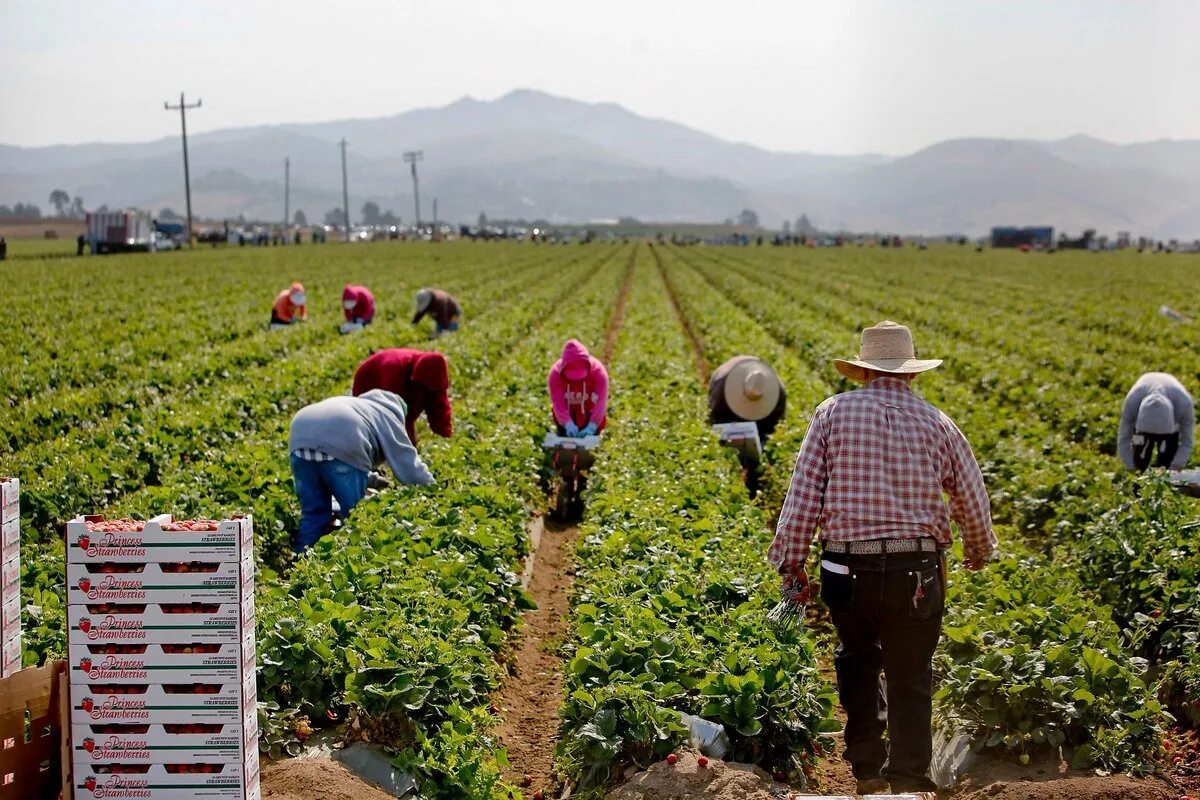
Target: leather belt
point(877, 547)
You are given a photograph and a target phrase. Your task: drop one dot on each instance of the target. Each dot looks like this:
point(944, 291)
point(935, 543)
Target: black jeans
point(1164, 445)
point(888, 613)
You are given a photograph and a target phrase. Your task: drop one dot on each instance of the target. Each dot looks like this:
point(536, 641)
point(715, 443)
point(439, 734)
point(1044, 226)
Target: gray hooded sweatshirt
point(361, 431)
point(1157, 404)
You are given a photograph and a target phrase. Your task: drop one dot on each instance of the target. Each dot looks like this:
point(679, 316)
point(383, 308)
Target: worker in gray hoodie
point(334, 445)
point(1157, 424)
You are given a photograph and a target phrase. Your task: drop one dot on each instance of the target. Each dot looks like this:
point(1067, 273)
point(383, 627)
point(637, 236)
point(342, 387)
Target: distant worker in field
point(1157, 424)
point(3, 249)
point(291, 306)
point(79, 243)
point(578, 385)
point(746, 389)
point(359, 305)
point(869, 478)
point(334, 445)
point(420, 378)
point(442, 306)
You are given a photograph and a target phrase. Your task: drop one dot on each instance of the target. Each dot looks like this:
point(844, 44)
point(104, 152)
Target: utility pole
point(187, 179)
point(412, 157)
point(287, 188)
point(435, 217)
point(345, 190)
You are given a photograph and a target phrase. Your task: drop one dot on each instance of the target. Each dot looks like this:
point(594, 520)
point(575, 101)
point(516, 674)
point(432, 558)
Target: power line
point(187, 179)
point(345, 190)
point(287, 175)
point(412, 157)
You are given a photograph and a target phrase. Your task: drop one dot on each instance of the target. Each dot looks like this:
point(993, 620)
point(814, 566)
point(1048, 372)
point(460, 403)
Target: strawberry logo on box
point(85, 542)
point(85, 664)
point(89, 783)
point(89, 744)
point(85, 625)
point(87, 704)
point(85, 585)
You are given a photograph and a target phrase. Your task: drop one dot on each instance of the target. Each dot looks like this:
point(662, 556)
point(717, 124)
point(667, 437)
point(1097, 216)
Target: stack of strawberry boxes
point(10, 583)
point(161, 658)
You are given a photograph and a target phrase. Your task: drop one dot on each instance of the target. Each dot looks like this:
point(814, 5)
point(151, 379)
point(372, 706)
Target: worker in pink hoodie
point(578, 385)
point(359, 304)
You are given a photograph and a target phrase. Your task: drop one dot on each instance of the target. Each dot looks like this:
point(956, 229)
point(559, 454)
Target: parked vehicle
point(119, 231)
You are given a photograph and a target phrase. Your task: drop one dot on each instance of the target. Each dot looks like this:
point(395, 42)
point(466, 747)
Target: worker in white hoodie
point(334, 445)
point(1157, 424)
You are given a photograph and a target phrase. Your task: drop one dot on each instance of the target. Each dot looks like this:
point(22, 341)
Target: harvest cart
point(570, 459)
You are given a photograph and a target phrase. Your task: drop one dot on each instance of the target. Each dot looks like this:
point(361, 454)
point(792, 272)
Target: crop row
point(669, 606)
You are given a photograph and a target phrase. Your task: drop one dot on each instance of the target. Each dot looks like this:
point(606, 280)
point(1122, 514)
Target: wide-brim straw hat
point(886, 347)
point(752, 389)
point(422, 300)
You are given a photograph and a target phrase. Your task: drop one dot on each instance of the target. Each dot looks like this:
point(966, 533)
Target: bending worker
point(442, 306)
point(335, 443)
point(870, 477)
point(578, 385)
point(746, 389)
point(290, 306)
point(359, 304)
point(420, 378)
point(1157, 424)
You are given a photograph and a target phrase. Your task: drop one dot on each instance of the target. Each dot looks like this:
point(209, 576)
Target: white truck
point(120, 231)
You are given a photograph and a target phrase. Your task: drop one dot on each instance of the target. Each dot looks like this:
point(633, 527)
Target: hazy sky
point(840, 76)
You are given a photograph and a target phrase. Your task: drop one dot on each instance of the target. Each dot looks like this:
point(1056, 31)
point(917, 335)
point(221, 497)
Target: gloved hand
point(377, 480)
point(588, 430)
point(572, 429)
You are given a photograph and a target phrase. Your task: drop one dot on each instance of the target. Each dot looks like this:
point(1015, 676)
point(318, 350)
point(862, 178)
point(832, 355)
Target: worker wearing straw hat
point(746, 389)
point(442, 306)
point(870, 478)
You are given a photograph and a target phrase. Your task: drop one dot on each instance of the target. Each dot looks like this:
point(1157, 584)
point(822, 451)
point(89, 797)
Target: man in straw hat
point(746, 389)
point(870, 476)
point(442, 306)
point(1157, 423)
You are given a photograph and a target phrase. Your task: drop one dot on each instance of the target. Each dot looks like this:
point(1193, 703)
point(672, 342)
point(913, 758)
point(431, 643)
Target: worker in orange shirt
point(290, 306)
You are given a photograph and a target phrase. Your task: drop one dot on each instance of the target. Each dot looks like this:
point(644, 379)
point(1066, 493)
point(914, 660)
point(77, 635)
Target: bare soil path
point(529, 700)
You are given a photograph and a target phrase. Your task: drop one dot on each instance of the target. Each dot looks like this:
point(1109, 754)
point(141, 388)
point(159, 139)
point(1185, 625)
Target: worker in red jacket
point(422, 379)
point(359, 304)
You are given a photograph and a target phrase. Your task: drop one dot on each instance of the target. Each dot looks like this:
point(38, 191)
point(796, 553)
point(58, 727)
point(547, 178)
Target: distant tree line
point(21, 211)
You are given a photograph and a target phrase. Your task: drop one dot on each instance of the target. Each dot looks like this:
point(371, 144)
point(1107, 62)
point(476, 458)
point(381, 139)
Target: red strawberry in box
point(89, 744)
point(87, 704)
point(89, 783)
point(85, 664)
point(85, 584)
point(85, 542)
point(85, 624)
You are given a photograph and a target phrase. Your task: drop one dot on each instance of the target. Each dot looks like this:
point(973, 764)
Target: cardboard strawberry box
point(10, 618)
point(161, 539)
point(159, 623)
point(10, 577)
point(10, 656)
point(166, 743)
point(190, 662)
point(227, 703)
point(169, 582)
point(10, 539)
point(238, 781)
point(10, 499)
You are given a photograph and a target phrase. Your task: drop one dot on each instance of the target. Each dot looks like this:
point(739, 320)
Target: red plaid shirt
point(874, 465)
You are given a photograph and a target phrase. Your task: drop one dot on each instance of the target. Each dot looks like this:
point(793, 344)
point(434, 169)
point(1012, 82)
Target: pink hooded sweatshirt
point(365, 308)
point(579, 387)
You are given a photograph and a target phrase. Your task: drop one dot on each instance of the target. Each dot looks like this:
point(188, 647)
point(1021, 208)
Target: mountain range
point(532, 155)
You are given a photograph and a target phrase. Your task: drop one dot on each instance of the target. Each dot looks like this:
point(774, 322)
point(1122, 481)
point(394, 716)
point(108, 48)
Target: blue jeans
point(316, 482)
point(449, 327)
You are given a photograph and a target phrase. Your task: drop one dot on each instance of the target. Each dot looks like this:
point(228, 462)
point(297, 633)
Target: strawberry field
point(140, 385)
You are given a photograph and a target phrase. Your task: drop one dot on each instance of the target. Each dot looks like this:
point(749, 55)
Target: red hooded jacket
point(578, 385)
point(421, 378)
point(365, 303)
